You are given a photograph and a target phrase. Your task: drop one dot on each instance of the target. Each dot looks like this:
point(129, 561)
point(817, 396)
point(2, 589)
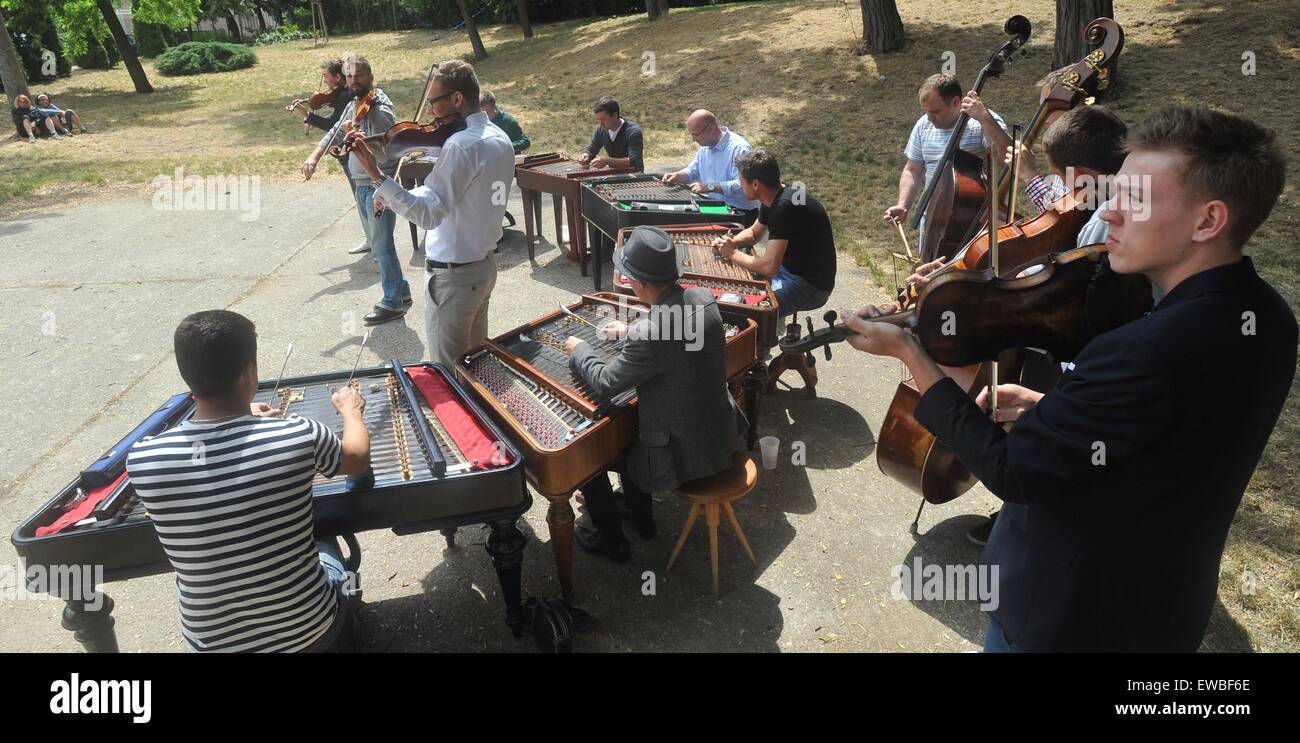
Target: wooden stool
point(713, 496)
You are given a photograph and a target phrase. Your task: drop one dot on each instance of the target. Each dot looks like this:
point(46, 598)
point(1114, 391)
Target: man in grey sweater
point(378, 227)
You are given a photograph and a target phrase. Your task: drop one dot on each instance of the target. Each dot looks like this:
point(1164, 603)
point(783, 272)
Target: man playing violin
point(943, 102)
point(377, 223)
point(461, 206)
point(1120, 484)
point(333, 77)
point(1086, 143)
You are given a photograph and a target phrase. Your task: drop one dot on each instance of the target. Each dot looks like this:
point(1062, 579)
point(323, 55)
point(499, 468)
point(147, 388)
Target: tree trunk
point(124, 47)
point(652, 9)
point(1072, 17)
point(480, 52)
point(261, 19)
point(522, 6)
point(882, 27)
point(232, 26)
point(11, 70)
point(663, 7)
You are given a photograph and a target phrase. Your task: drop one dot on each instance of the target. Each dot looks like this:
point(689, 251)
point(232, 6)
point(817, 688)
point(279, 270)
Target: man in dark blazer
point(675, 357)
point(1121, 482)
point(619, 137)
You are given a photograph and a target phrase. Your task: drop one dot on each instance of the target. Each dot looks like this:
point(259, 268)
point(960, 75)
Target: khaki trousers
point(456, 308)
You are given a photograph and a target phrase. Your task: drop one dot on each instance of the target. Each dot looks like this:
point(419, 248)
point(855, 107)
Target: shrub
point(287, 32)
point(152, 39)
point(101, 54)
point(196, 57)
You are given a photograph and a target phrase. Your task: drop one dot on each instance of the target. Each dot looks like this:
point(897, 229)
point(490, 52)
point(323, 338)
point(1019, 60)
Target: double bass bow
point(954, 195)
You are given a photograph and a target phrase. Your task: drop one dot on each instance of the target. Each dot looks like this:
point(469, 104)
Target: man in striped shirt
point(942, 100)
point(229, 494)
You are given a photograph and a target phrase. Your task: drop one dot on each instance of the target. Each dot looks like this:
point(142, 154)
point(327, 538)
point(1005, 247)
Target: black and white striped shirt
point(231, 502)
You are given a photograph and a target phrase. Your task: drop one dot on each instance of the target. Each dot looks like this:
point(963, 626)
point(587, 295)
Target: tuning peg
point(830, 316)
point(809, 320)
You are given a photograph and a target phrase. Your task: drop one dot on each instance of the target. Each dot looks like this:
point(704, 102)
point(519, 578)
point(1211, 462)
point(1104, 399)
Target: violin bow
point(993, 253)
point(1015, 171)
point(424, 93)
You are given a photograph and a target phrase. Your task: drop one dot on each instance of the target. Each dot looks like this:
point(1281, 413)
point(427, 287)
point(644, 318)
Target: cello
point(952, 197)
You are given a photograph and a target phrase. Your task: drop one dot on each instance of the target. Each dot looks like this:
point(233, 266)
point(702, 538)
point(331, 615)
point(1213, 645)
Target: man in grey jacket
point(676, 359)
point(378, 227)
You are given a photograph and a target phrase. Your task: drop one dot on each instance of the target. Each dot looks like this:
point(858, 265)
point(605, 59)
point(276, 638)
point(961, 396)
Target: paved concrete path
point(93, 294)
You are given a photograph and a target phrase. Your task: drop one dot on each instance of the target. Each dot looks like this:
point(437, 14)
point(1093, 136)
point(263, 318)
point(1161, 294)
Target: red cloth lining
point(82, 509)
point(750, 299)
point(471, 436)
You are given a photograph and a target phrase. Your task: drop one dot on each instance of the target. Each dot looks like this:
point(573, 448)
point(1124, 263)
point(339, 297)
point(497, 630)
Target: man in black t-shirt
point(800, 255)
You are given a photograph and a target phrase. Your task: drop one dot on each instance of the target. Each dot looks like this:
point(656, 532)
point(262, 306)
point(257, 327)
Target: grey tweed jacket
point(676, 359)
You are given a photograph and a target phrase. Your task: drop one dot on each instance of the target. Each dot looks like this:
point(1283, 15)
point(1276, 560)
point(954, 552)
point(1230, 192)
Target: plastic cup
point(769, 446)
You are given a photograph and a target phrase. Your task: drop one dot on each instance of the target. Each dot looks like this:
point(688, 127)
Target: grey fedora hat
point(648, 254)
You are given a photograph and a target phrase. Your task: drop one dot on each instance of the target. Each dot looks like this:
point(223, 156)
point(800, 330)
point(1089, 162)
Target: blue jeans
point(995, 641)
point(379, 234)
point(794, 294)
point(331, 559)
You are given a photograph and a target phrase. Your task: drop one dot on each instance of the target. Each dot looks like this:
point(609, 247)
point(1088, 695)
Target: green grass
point(785, 75)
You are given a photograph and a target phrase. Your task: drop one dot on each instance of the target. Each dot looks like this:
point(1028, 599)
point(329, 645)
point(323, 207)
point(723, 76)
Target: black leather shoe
point(598, 544)
point(383, 315)
point(979, 535)
point(408, 302)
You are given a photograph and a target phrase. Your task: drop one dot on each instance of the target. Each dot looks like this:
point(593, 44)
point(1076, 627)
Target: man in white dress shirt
point(461, 205)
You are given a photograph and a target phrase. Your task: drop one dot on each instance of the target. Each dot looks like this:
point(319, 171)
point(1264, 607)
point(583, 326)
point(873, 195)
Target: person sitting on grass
point(65, 119)
point(28, 121)
point(229, 492)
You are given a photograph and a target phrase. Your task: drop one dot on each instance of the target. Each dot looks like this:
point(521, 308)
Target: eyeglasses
point(438, 98)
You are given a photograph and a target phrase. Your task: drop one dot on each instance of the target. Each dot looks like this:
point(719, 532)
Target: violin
point(406, 137)
point(318, 100)
point(1057, 304)
point(954, 195)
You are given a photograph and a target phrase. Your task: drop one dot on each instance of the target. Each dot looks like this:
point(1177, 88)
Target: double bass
point(953, 196)
point(908, 452)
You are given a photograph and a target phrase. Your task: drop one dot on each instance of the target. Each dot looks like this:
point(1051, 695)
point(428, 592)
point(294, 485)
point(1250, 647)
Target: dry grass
point(784, 74)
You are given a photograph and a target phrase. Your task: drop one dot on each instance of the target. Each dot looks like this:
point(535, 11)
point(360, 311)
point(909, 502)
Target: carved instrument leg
point(537, 212)
point(559, 520)
point(597, 240)
point(506, 546)
point(92, 626)
point(528, 195)
point(755, 385)
point(557, 205)
point(578, 236)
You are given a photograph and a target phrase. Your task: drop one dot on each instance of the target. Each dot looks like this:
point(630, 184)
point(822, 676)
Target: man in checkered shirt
point(942, 99)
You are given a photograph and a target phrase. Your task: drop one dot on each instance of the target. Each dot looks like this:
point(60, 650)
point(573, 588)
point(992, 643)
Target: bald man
point(713, 171)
